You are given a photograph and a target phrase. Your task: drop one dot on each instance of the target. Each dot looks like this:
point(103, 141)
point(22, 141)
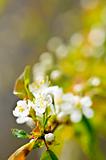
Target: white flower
point(56, 74)
point(61, 51)
point(86, 101)
point(46, 60)
point(70, 98)
point(76, 39)
point(75, 107)
point(21, 111)
point(66, 107)
point(30, 122)
point(56, 92)
point(21, 120)
point(38, 86)
point(53, 99)
point(94, 81)
point(78, 88)
point(88, 112)
point(49, 137)
point(83, 108)
point(69, 106)
point(46, 96)
point(76, 116)
point(42, 101)
point(67, 97)
point(97, 37)
point(45, 64)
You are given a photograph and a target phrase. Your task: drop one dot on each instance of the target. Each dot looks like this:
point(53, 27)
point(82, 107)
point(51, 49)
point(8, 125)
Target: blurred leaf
point(19, 133)
point(88, 126)
point(22, 152)
point(48, 155)
point(62, 134)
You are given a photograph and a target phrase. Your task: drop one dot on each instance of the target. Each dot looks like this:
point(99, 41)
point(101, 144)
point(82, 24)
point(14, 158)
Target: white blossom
point(30, 122)
point(38, 86)
point(61, 51)
point(94, 81)
point(78, 88)
point(86, 101)
point(83, 108)
point(59, 103)
point(45, 64)
point(56, 92)
point(45, 97)
point(97, 37)
point(76, 116)
point(88, 112)
point(42, 101)
point(75, 107)
point(21, 111)
point(76, 39)
point(55, 74)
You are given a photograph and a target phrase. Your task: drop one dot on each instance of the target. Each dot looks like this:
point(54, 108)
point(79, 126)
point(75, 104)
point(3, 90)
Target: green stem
point(94, 149)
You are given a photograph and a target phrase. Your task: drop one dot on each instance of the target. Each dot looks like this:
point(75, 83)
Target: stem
point(47, 148)
point(57, 124)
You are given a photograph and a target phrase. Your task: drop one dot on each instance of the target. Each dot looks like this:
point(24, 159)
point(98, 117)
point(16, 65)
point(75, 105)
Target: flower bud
point(49, 137)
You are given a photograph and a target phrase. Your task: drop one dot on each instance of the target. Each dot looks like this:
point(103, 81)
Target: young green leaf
point(48, 155)
point(21, 86)
point(19, 133)
point(27, 79)
point(27, 75)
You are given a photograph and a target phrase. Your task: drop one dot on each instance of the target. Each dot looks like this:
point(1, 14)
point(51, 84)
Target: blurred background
point(25, 28)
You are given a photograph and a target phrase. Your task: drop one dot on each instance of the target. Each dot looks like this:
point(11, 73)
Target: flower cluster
point(52, 100)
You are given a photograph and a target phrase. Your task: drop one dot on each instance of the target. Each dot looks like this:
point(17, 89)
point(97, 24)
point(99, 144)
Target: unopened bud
point(49, 137)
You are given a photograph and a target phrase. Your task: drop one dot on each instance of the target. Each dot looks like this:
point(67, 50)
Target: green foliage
point(48, 155)
point(20, 133)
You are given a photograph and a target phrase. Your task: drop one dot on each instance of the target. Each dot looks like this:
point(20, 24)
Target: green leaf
point(19, 133)
point(48, 155)
point(88, 125)
point(27, 72)
point(21, 88)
